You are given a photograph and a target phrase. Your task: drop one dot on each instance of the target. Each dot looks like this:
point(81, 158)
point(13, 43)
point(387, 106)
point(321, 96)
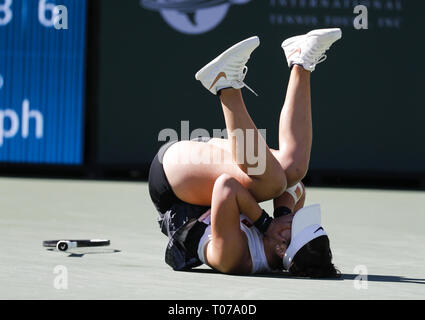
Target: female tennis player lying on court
point(210, 211)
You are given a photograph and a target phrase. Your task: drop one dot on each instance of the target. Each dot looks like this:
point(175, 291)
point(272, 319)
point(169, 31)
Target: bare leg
point(238, 121)
point(295, 128)
point(193, 181)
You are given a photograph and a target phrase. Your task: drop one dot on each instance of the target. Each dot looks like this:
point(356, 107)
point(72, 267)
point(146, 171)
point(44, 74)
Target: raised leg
point(303, 53)
point(295, 127)
point(246, 140)
point(193, 180)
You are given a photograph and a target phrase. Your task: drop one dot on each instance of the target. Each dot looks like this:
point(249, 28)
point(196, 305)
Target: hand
point(280, 229)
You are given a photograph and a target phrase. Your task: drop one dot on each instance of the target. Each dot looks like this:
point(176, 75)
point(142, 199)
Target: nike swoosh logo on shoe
point(319, 229)
point(219, 76)
point(295, 51)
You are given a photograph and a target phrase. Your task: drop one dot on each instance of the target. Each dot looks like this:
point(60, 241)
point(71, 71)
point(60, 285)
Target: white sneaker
point(228, 70)
point(309, 50)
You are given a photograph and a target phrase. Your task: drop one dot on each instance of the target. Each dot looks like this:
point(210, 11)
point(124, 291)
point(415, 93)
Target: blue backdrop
point(42, 80)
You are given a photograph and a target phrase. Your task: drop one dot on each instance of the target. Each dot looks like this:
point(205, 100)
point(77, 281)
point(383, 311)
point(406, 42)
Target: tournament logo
point(192, 16)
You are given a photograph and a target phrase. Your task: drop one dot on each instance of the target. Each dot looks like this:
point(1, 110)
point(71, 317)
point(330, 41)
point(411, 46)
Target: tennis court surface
point(377, 233)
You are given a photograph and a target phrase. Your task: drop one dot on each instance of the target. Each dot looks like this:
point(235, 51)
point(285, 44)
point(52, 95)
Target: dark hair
point(314, 260)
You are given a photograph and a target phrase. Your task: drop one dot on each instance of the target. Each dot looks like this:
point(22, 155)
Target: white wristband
point(292, 191)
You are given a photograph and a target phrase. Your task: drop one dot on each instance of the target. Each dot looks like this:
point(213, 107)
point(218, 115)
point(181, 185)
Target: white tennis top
point(255, 244)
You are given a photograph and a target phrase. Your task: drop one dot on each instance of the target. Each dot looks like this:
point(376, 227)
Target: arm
point(228, 250)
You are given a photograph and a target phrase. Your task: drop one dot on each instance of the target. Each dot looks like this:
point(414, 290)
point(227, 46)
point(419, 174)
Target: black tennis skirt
point(177, 219)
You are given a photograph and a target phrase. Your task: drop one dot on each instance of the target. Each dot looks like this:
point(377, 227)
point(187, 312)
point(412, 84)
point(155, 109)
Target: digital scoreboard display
point(42, 81)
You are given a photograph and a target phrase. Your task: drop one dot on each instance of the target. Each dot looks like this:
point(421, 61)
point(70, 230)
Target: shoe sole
point(334, 33)
point(255, 40)
point(288, 42)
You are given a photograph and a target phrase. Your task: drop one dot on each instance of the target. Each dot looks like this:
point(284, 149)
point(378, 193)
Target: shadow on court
point(381, 278)
point(344, 276)
point(81, 254)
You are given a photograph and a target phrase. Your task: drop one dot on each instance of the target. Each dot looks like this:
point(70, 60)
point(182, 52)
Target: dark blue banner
point(42, 81)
